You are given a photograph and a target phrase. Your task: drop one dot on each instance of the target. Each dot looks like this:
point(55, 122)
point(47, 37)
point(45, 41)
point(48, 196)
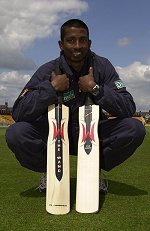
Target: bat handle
point(60, 98)
point(88, 100)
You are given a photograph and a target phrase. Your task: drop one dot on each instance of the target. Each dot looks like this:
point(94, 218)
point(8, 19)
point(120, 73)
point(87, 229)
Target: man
point(82, 72)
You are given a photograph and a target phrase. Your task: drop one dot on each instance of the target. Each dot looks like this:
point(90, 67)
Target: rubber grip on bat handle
point(60, 98)
point(88, 100)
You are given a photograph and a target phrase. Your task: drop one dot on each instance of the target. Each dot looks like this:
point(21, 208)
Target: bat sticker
point(88, 134)
point(60, 131)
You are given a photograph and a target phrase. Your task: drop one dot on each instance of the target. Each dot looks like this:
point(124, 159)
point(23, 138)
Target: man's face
point(75, 45)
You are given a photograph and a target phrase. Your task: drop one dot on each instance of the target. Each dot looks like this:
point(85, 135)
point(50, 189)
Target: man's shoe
point(103, 185)
point(42, 186)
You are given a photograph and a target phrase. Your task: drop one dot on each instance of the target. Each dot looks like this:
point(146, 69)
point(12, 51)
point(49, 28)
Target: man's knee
point(27, 145)
point(18, 135)
point(11, 134)
point(137, 130)
point(14, 133)
point(128, 136)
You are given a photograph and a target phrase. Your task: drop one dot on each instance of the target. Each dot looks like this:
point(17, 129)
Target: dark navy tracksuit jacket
point(31, 105)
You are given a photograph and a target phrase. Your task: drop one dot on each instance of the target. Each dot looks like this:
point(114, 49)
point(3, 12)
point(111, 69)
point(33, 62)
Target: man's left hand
point(86, 82)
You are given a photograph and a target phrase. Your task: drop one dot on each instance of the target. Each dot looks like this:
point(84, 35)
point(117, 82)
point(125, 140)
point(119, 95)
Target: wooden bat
point(58, 173)
point(87, 190)
point(58, 167)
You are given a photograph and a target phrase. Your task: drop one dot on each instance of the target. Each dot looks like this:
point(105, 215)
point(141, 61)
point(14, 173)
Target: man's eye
point(70, 40)
point(83, 40)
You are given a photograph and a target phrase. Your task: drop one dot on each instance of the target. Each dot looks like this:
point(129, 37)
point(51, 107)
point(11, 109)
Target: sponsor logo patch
point(68, 95)
point(119, 84)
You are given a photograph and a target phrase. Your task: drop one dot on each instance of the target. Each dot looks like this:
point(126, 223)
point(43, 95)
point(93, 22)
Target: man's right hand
point(59, 82)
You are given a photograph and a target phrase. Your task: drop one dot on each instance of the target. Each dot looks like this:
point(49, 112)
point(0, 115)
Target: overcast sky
point(119, 30)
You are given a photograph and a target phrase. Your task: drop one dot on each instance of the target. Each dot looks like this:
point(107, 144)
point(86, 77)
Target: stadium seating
point(6, 120)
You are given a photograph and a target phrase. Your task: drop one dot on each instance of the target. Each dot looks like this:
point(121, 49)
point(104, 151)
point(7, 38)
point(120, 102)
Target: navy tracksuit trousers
point(119, 138)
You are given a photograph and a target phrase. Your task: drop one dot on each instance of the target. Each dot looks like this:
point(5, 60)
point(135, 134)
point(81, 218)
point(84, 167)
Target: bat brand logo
point(59, 131)
point(88, 137)
point(58, 138)
point(88, 134)
point(59, 164)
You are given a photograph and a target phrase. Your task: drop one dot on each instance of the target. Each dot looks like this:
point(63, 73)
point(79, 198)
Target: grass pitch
point(126, 207)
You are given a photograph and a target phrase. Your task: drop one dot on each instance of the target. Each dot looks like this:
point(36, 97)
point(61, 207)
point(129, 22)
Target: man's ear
point(60, 45)
point(90, 42)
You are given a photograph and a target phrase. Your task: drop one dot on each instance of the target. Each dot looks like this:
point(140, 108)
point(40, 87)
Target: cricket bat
point(58, 169)
point(87, 189)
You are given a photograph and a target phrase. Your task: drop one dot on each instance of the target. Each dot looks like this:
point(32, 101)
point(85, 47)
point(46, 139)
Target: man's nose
point(77, 44)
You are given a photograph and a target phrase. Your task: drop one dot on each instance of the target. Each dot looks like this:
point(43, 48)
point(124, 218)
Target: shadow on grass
point(35, 193)
point(32, 192)
point(123, 189)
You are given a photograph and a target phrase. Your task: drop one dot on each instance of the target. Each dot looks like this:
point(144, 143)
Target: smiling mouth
point(77, 53)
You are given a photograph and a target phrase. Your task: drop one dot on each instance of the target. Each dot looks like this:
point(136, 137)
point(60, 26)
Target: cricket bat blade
point(87, 189)
point(58, 172)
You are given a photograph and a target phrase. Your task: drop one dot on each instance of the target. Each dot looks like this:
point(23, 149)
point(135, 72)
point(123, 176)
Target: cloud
point(137, 80)
point(14, 59)
point(122, 42)
point(148, 60)
point(21, 23)
point(11, 84)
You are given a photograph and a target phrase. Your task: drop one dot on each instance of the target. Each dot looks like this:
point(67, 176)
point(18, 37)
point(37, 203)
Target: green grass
point(125, 207)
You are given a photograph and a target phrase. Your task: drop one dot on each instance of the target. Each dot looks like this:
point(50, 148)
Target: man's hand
point(59, 82)
point(86, 82)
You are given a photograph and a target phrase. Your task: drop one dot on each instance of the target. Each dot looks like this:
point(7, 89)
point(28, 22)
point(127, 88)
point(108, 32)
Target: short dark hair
point(73, 23)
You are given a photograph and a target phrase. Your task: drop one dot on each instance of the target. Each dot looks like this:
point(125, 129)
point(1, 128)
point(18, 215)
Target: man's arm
point(115, 99)
point(38, 94)
point(113, 96)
